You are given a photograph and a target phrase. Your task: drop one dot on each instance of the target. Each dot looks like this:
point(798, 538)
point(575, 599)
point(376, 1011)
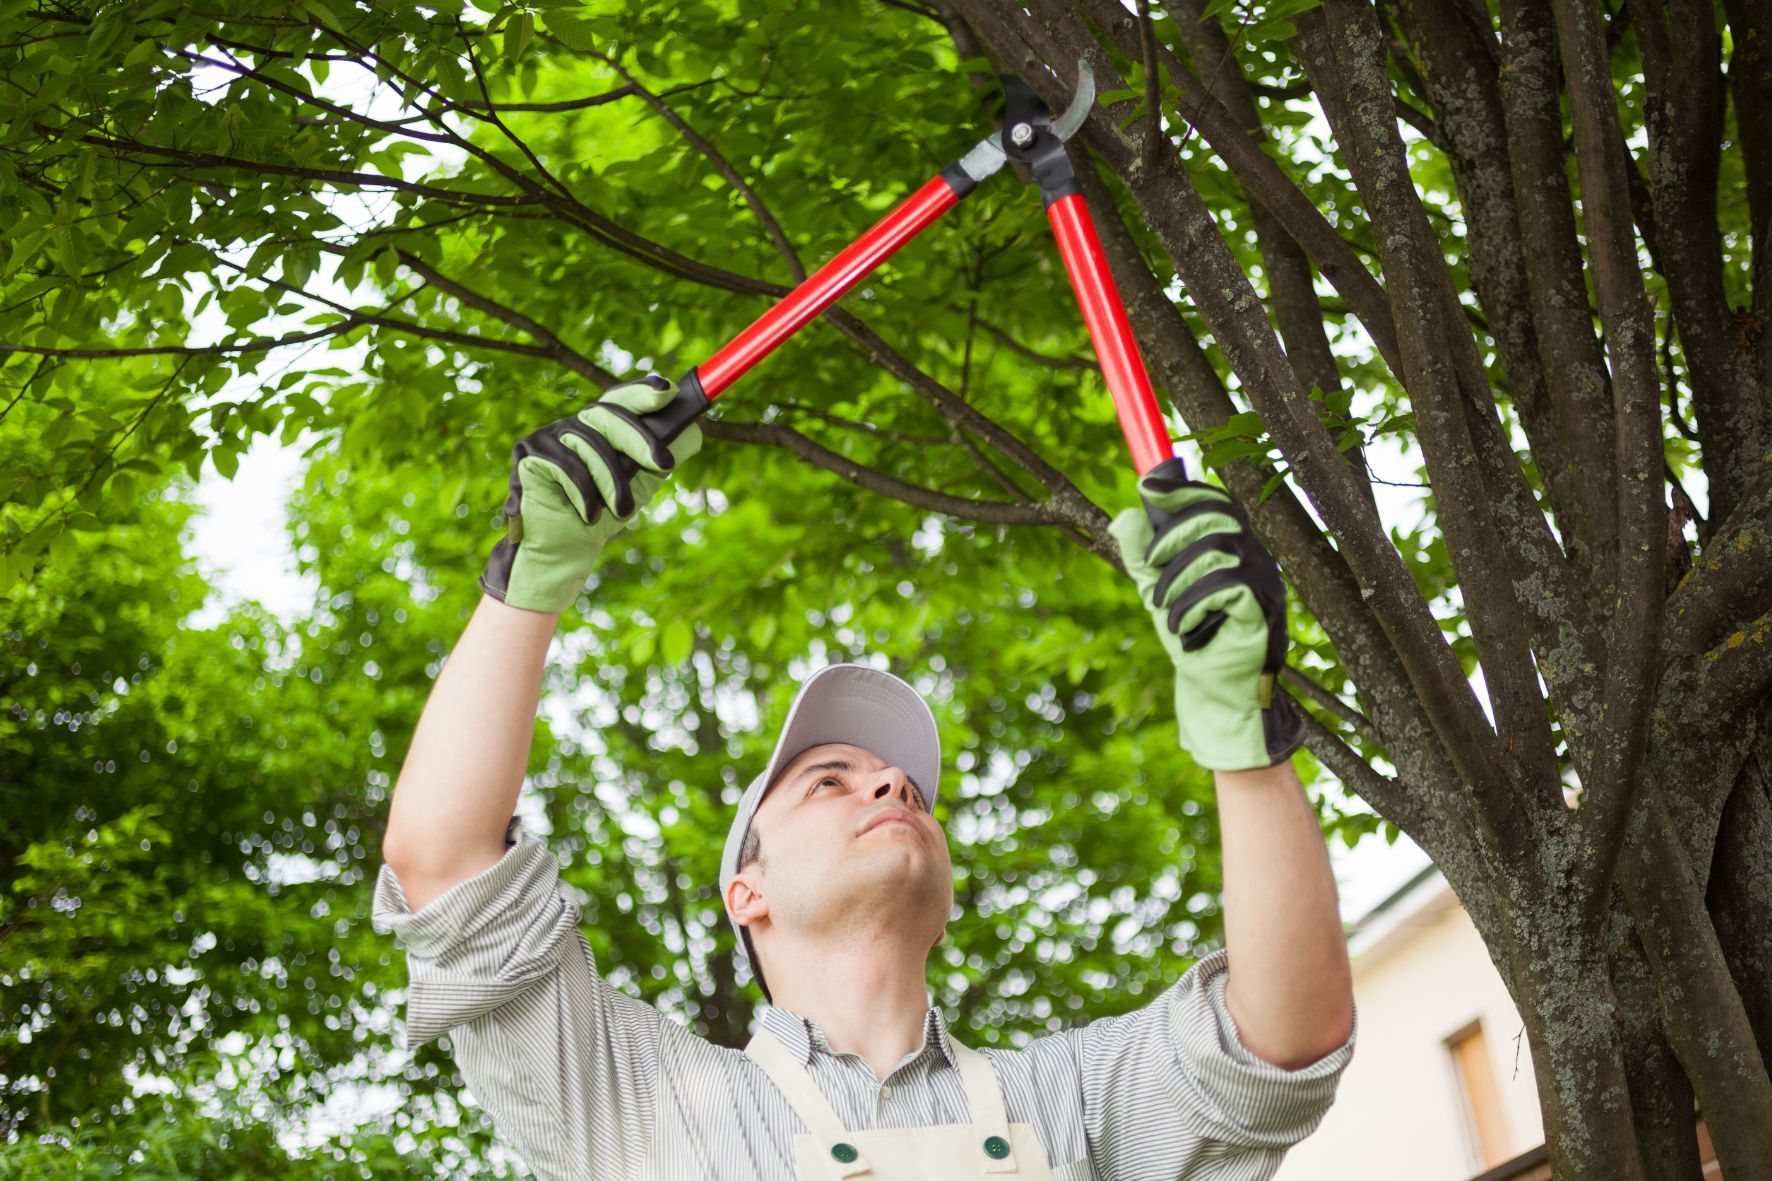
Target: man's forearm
point(1290, 988)
point(458, 787)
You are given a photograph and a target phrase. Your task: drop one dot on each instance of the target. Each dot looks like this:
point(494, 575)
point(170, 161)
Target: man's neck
point(868, 999)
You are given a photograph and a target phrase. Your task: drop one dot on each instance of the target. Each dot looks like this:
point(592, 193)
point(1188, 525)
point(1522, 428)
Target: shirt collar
point(802, 1035)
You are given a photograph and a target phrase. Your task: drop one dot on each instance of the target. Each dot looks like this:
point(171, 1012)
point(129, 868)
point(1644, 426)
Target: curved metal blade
point(1066, 124)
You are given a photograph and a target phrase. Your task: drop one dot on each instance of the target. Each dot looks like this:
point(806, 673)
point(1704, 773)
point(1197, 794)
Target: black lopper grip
point(671, 420)
point(1170, 469)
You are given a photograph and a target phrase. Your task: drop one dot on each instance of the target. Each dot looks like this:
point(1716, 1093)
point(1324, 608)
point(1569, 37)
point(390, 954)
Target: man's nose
point(895, 783)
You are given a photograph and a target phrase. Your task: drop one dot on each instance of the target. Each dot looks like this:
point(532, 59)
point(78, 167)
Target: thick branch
point(1575, 369)
point(1260, 177)
point(1683, 112)
point(1461, 81)
point(1387, 796)
point(1176, 212)
point(1731, 580)
point(1291, 286)
point(1625, 312)
point(1320, 574)
point(1342, 44)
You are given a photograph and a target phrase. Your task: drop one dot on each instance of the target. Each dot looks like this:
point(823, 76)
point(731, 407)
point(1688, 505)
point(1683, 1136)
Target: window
point(1480, 1097)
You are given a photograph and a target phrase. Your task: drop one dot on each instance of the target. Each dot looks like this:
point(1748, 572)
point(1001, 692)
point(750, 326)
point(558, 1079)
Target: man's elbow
point(1309, 1050)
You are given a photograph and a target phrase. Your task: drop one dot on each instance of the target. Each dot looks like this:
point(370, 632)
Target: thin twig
point(26, 384)
point(1360, 722)
point(770, 225)
point(769, 434)
point(62, 509)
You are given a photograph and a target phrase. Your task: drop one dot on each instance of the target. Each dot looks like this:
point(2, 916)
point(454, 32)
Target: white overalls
point(990, 1148)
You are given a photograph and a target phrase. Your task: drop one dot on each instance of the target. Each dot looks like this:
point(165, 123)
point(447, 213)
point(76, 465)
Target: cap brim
point(867, 708)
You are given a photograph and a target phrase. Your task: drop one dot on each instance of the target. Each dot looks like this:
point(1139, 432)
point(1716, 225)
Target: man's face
point(849, 846)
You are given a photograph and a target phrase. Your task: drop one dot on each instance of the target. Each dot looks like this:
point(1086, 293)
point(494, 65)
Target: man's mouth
point(888, 818)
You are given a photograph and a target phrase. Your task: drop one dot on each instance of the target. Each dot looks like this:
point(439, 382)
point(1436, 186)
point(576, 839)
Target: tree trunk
point(1702, 1013)
point(1660, 1093)
point(1572, 1018)
point(1740, 896)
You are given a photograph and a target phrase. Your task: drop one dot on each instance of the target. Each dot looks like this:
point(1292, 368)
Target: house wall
point(1399, 1111)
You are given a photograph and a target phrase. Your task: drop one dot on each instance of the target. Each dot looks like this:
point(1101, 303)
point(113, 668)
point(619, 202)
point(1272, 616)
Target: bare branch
point(1220, 290)
point(1342, 45)
point(1575, 370)
point(1683, 114)
point(1260, 177)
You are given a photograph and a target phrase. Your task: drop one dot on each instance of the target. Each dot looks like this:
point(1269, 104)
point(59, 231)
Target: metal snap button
point(996, 1147)
point(844, 1152)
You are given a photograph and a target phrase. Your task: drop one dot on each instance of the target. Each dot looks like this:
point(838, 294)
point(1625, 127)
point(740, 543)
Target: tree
point(1538, 229)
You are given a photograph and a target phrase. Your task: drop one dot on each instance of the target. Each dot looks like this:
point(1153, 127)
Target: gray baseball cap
point(840, 703)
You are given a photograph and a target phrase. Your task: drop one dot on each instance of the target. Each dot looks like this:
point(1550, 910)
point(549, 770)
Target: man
point(839, 880)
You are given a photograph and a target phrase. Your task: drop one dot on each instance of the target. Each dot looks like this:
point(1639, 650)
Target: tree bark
point(1740, 895)
point(1702, 1013)
point(1660, 1094)
point(1565, 996)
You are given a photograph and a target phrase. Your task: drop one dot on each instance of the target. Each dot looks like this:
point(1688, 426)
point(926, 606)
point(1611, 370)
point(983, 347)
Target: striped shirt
point(586, 1082)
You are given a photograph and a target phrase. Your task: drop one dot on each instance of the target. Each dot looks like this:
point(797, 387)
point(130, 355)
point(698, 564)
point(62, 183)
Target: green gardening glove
point(1220, 607)
point(568, 497)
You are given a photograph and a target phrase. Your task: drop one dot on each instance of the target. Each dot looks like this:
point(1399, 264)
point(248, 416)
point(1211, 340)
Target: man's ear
point(745, 903)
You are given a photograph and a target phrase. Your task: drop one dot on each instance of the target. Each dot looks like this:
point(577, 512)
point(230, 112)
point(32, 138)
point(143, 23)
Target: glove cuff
point(1282, 726)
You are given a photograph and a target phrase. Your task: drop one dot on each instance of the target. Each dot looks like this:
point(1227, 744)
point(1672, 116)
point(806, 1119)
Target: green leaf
point(323, 12)
point(762, 629)
point(574, 31)
point(518, 34)
point(678, 641)
point(641, 645)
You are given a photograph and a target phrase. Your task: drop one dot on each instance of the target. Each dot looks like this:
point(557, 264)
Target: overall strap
point(990, 1121)
point(795, 1083)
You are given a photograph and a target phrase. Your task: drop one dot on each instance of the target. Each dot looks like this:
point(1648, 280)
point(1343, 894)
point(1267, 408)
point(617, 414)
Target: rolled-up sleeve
point(566, 1065)
point(1170, 1090)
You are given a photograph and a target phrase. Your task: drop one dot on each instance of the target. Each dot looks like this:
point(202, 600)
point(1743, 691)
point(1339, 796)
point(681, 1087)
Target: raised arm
point(1291, 986)
point(568, 496)
point(458, 787)
point(1220, 608)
